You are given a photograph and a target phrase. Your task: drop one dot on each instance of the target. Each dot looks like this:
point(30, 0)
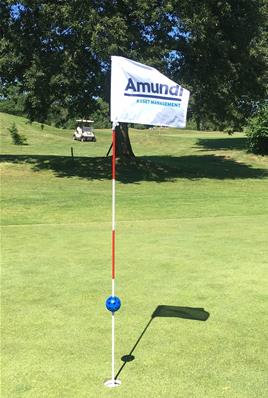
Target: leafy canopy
point(58, 53)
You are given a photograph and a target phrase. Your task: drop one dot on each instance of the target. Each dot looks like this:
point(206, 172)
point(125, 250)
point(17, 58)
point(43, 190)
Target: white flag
point(141, 94)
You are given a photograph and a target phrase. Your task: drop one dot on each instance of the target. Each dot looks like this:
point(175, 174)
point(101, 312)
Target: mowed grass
point(192, 231)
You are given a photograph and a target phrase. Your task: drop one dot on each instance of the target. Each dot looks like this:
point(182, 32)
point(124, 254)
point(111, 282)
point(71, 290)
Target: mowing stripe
point(132, 221)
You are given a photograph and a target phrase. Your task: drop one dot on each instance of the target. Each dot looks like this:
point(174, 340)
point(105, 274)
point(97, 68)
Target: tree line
point(55, 56)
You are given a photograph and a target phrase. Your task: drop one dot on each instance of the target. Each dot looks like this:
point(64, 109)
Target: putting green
point(191, 232)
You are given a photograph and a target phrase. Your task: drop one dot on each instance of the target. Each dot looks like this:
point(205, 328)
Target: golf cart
point(84, 131)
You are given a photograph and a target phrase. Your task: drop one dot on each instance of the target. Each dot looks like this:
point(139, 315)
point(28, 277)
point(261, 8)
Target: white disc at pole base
point(113, 383)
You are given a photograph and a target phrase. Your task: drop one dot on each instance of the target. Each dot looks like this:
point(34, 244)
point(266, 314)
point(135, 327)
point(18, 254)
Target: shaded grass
point(152, 168)
point(223, 143)
point(191, 232)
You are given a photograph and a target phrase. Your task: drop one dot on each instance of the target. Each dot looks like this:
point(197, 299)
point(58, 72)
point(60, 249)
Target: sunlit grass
point(191, 231)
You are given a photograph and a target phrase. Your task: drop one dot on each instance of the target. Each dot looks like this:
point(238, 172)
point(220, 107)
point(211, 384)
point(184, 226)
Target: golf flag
point(141, 94)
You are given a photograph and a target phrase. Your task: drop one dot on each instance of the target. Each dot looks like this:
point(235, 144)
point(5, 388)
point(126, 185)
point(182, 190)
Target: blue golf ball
point(113, 303)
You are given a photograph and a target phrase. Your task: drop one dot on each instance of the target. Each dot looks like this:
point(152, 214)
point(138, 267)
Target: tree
point(12, 101)
point(221, 58)
point(123, 145)
point(61, 62)
point(62, 59)
point(101, 116)
point(17, 138)
point(51, 59)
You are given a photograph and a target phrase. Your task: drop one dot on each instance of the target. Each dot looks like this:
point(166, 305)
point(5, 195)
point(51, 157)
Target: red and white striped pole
point(113, 247)
point(113, 303)
point(113, 210)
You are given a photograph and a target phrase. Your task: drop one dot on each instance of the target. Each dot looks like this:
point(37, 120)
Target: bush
point(12, 101)
point(257, 132)
point(17, 138)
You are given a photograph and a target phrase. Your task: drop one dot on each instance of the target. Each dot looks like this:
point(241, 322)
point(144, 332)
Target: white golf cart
point(84, 130)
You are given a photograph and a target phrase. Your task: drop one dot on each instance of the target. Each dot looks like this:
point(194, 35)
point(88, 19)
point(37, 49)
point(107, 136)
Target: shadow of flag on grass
point(169, 311)
point(166, 311)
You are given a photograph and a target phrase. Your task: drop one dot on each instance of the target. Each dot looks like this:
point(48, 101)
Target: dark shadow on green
point(169, 311)
point(165, 311)
point(238, 143)
point(146, 168)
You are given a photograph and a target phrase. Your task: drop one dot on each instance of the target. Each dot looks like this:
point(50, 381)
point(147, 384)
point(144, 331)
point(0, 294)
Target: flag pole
point(113, 245)
point(113, 302)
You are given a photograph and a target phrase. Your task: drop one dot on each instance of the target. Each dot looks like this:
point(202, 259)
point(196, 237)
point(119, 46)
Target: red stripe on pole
point(113, 160)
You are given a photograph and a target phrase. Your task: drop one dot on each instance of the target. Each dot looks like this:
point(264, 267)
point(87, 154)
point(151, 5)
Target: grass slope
point(191, 231)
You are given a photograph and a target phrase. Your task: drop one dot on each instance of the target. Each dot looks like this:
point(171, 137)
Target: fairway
point(192, 227)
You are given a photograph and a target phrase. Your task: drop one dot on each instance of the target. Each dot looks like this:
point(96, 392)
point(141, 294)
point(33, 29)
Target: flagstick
point(113, 382)
point(113, 246)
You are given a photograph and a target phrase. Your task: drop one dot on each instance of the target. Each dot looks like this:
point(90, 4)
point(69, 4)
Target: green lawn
point(192, 227)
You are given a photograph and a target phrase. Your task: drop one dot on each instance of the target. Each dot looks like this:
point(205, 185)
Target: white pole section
point(113, 346)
